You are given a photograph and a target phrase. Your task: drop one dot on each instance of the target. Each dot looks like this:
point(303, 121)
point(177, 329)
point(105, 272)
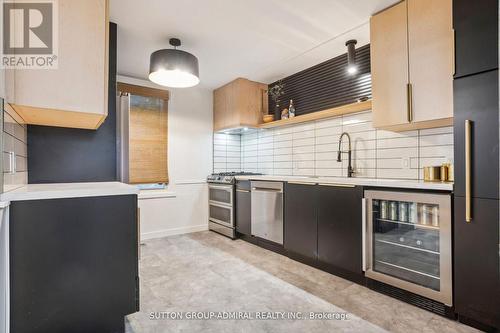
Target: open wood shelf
point(337, 111)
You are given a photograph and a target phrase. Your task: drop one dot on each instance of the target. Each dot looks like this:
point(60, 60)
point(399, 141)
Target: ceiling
point(262, 40)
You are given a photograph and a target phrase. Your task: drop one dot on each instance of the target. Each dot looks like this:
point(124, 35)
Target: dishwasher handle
point(266, 189)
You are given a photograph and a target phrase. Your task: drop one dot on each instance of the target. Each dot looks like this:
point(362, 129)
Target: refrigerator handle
point(468, 182)
point(363, 233)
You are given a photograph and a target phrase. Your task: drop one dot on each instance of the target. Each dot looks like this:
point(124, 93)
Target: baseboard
point(173, 231)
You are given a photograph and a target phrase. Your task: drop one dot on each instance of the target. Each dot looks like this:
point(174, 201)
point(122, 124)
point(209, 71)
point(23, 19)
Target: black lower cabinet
point(476, 262)
point(73, 264)
point(300, 225)
point(340, 228)
point(243, 208)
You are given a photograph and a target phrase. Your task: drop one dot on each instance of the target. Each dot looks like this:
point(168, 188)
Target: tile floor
point(204, 272)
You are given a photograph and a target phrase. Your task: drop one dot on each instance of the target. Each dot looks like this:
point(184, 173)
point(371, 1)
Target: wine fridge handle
point(363, 233)
point(468, 181)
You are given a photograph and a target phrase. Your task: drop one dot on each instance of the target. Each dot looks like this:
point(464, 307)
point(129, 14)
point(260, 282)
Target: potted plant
point(275, 92)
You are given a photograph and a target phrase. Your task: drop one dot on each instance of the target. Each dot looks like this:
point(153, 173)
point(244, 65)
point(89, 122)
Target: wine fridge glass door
point(409, 242)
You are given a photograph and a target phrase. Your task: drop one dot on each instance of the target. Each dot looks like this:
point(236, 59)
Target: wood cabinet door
point(218, 109)
point(80, 83)
point(430, 43)
point(300, 220)
point(340, 227)
point(389, 66)
point(476, 262)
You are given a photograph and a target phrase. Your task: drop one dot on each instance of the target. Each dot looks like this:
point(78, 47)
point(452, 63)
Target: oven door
point(220, 204)
point(221, 194)
point(221, 214)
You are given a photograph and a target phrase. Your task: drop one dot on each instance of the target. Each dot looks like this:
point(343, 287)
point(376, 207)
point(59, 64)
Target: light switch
point(405, 162)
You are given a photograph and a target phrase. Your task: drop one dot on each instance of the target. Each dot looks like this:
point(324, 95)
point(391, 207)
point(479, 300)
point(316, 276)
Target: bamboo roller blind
point(148, 134)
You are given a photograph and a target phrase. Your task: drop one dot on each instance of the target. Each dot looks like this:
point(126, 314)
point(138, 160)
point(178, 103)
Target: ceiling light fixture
point(174, 68)
point(351, 56)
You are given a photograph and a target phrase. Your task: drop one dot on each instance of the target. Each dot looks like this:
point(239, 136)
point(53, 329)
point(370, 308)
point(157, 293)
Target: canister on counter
point(426, 214)
point(412, 212)
point(393, 210)
point(435, 215)
point(383, 209)
point(403, 211)
point(444, 172)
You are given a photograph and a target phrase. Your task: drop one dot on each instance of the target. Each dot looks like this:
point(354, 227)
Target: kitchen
point(250, 166)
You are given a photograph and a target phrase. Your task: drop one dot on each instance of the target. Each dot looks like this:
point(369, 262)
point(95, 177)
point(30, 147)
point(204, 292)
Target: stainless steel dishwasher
point(267, 210)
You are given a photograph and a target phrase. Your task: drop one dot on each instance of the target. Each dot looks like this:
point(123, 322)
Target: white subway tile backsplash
point(311, 149)
point(328, 164)
point(303, 142)
point(283, 172)
point(303, 172)
point(283, 165)
point(282, 158)
point(303, 135)
point(282, 137)
point(329, 172)
point(436, 140)
point(404, 142)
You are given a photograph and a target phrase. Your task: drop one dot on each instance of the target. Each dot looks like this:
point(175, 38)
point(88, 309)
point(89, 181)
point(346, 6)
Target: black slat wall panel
point(326, 85)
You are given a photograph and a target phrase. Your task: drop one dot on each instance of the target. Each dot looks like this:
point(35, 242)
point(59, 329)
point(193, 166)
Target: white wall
point(184, 207)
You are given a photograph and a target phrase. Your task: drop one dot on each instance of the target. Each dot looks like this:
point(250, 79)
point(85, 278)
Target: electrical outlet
point(405, 162)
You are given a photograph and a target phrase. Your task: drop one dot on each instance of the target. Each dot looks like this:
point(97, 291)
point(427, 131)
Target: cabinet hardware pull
point(302, 183)
point(468, 128)
point(409, 99)
point(337, 185)
point(265, 189)
point(454, 66)
point(243, 191)
point(363, 234)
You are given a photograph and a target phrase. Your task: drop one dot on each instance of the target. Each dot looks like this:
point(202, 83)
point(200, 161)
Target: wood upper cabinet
point(389, 66)
point(412, 62)
point(239, 103)
point(76, 93)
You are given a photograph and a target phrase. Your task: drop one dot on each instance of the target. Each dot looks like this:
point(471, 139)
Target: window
point(144, 113)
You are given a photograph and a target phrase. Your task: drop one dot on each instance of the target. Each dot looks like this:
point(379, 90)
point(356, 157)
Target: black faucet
point(350, 170)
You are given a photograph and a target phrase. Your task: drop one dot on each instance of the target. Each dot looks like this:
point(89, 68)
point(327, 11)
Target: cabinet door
point(300, 220)
point(476, 262)
point(74, 257)
point(243, 208)
point(476, 36)
point(476, 99)
point(80, 83)
point(389, 66)
point(430, 43)
point(218, 109)
point(339, 227)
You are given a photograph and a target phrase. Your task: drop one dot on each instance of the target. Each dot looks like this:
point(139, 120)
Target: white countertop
point(394, 183)
point(68, 190)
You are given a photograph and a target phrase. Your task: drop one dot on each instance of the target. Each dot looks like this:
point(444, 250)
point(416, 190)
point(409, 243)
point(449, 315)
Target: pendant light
point(351, 56)
point(174, 68)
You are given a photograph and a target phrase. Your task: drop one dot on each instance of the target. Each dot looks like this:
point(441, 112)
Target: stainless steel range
point(221, 202)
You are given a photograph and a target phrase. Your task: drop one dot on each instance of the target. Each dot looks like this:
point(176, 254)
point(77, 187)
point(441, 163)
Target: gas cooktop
point(228, 177)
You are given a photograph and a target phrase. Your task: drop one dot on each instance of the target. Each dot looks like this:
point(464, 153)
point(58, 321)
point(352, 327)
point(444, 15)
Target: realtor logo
point(29, 38)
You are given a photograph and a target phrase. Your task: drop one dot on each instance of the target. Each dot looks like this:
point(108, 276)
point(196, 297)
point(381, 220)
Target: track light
point(352, 68)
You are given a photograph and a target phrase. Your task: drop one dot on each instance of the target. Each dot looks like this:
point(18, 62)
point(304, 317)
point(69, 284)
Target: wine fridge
point(407, 242)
